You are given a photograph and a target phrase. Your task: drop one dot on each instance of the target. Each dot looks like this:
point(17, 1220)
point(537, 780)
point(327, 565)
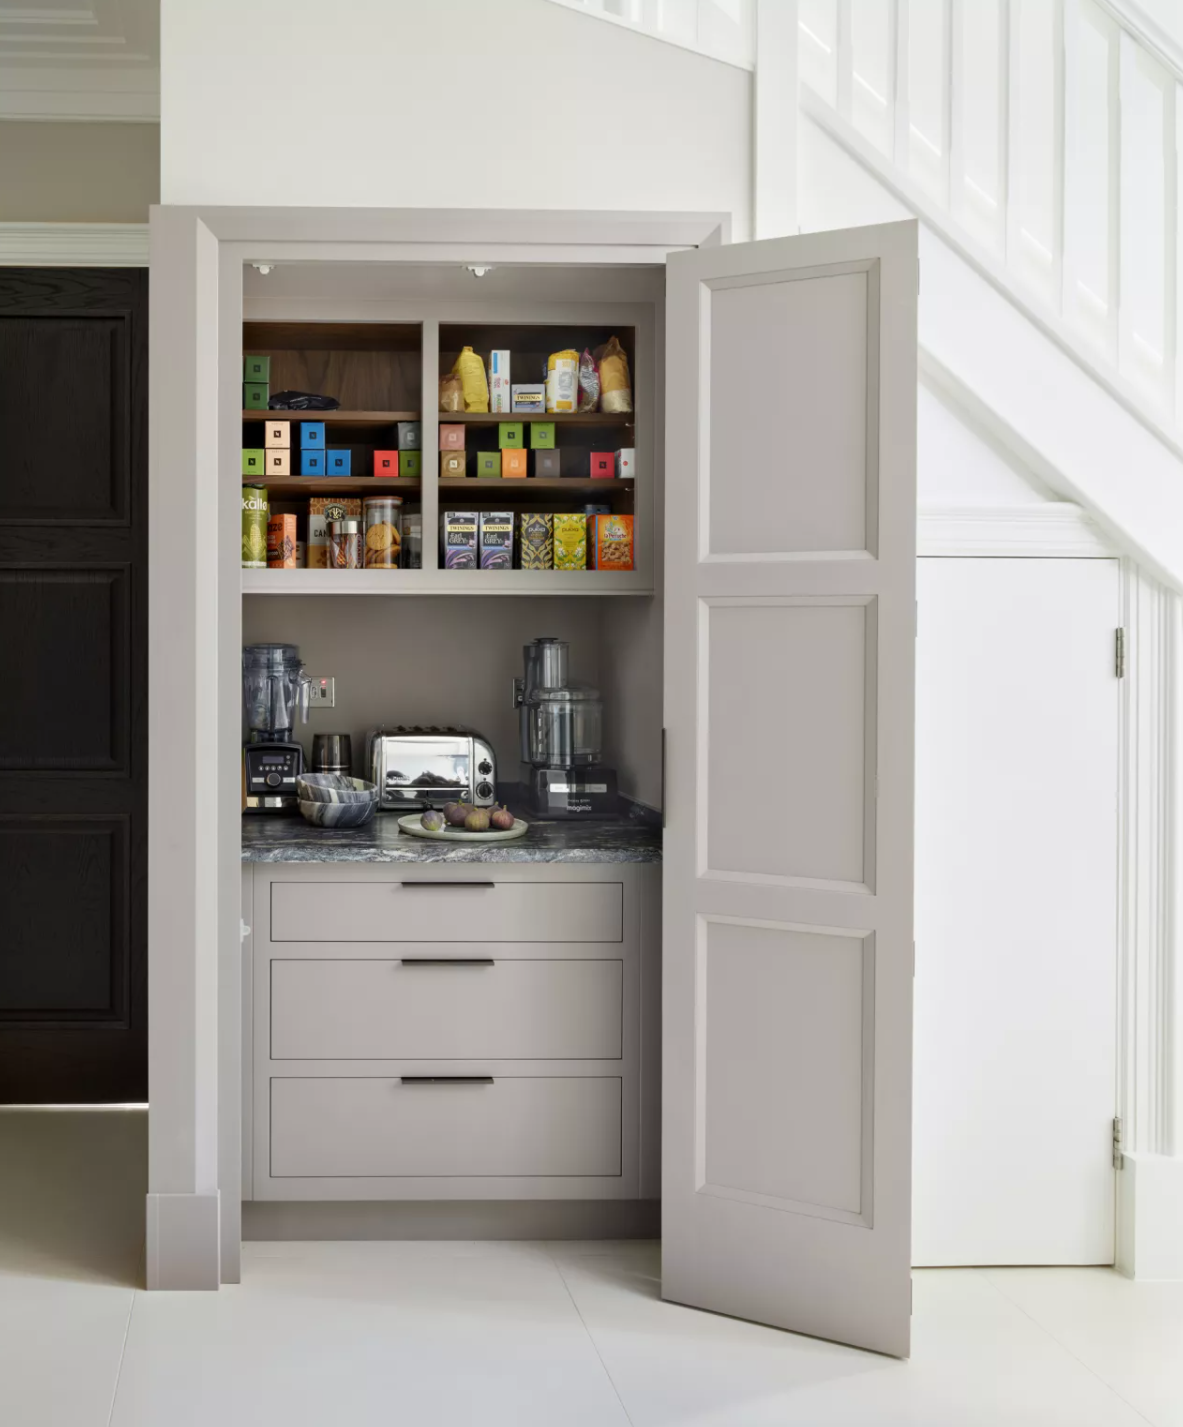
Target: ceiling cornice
point(74, 245)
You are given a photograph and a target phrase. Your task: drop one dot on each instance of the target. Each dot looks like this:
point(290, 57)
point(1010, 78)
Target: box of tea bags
point(496, 540)
point(459, 532)
point(571, 542)
point(536, 541)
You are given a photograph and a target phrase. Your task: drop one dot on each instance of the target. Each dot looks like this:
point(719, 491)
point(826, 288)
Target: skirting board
point(509, 1219)
point(183, 1241)
point(1150, 1217)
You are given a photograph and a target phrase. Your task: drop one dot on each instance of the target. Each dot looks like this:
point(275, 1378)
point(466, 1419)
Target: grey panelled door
point(790, 625)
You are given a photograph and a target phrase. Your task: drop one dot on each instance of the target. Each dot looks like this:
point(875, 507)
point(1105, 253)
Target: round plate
point(412, 825)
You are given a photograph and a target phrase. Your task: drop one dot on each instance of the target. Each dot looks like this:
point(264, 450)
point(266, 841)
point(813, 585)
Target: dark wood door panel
point(64, 393)
point(68, 632)
point(65, 948)
point(73, 722)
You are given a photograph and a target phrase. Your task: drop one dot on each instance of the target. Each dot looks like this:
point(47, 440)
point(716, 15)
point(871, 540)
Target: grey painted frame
point(195, 622)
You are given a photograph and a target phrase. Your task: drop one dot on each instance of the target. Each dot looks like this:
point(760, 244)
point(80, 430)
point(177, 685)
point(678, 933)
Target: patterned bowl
point(335, 788)
point(337, 814)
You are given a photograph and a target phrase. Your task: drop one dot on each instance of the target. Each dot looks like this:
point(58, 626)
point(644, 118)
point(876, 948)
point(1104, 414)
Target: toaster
point(417, 767)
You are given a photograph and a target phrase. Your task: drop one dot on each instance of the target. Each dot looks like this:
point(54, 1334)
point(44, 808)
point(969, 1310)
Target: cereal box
point(281, 542)
point(322, 509)
point(570, 533)
point(496, 540)
point(610, 541)
point(536, 541)
point(459, 528)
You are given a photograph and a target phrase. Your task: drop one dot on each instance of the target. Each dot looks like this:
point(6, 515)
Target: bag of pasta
point(616, 392)
point(471, 371)
point(451, 392)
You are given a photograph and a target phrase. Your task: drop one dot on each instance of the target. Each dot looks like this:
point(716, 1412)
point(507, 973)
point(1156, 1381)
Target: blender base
point(588, 792)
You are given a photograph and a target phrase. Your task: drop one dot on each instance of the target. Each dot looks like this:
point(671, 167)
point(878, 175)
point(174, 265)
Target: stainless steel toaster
point(415, 767)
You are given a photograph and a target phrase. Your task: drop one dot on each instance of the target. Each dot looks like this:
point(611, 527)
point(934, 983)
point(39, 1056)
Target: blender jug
point(274, 686)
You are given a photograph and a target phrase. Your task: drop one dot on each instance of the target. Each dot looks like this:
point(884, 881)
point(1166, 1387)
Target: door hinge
point(1119, 653)
point(1118, 1157)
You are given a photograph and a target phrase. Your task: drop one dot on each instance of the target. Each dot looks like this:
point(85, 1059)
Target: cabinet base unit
point(441, 1033)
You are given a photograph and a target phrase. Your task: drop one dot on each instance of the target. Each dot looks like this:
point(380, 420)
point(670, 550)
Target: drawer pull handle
point(446, 1080)
point(449, 885)
point(448, 961)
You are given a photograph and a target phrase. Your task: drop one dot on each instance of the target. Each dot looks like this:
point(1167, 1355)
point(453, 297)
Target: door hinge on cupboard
point(1118, 1158)
point(1119, 653)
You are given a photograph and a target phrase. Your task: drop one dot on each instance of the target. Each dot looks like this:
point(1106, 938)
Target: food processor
point(274, 688)
point(561, 736)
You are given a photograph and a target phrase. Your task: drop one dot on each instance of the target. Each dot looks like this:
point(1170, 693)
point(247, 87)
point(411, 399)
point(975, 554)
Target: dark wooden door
point(73, 686)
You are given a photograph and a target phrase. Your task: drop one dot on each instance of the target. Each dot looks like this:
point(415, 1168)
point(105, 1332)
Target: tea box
point(547, 464)
point(570, 542)
point(496, 540)
point(279, 461)
point(277, 433)
point(511, 435)
point(410, 435)
point(451, 436)
point(254, 396)
point(488, 463)
point(256, 369)
point(252, 462)
point(254, 527)
point(386, 463)
point(536, 540)
point(311, 435)
point(281, 542)
point(603, 466)
point(339, 461)
point(410, 463)
point(513, 463)
point(529, 397)
point(312, 463)
point(322, 509)
point(610, 541)
point(452, 464)
point(542, 435)
point(500, 395)
point(459, 529)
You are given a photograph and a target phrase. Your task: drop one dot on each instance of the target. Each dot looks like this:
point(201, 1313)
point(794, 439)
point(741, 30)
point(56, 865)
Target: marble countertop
point(287, 838)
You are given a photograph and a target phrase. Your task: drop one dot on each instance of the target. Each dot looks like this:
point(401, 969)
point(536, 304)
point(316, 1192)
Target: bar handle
point(663, 777)
point(447, 884)
point(448, 961)
point(446, 1080)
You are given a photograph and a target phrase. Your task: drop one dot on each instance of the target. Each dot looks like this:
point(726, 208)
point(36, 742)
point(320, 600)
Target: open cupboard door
point(789, 644)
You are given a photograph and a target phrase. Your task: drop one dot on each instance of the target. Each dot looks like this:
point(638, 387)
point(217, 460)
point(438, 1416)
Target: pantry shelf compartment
point(360, 420)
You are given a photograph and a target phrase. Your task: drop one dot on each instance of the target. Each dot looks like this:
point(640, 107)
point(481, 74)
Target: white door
point(790, 624)
point(1017, 748)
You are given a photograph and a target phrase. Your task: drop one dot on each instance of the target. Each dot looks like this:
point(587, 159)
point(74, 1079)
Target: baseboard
point(509, 1219)
point(1150, 1217)
point(184, 1249)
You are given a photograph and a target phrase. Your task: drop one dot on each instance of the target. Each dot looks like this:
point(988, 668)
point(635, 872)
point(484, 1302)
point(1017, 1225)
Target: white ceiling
point(93, 59)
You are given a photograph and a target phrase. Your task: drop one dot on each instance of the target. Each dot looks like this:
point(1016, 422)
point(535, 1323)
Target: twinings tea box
point(254, 527)
point(610, 540)
point(496, 540)
point(529, 397)
point(459, 530)
point(281, 542)
point(570, 542)
point(322, 509)
point(536, 541)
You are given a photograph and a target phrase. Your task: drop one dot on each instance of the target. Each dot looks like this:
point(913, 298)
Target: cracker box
point(529, 397)
point(496, 540)
point(610, 542)
point(459, 529)
point(322, 509)
point(500, 395)
point(536, 541)
point(281, 542)
point(570, 547)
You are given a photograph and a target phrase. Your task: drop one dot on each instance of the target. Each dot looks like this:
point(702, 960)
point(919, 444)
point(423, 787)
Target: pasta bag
point(471, 371)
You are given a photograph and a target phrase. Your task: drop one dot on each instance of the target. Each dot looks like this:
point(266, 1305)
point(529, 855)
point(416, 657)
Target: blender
point(274, 688)
point(560, 726)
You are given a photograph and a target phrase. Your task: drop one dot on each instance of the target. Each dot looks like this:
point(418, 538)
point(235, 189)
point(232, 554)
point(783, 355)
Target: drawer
point(418, 1009)
point(454, 910)
point(388, 1128)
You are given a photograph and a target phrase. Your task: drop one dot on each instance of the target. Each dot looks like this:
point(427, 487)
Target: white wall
point(454, 103)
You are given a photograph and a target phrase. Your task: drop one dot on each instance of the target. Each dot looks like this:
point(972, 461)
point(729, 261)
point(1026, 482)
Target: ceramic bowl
point(335, 788)
point(337, 814)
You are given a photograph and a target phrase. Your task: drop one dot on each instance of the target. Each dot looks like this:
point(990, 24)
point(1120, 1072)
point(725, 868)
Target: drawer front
point(416, 1009)
point(388, 1128)
point(466, 909)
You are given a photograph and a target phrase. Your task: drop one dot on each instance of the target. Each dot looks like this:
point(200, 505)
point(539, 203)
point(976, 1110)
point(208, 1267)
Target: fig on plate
point(502, 819)
point(456, 813)
point(432, 820)
point(477, 820)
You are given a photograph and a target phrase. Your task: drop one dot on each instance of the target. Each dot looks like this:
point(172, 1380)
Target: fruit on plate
point(432, 820)
point(477, 820)
point(456, 813)
point(502, 819)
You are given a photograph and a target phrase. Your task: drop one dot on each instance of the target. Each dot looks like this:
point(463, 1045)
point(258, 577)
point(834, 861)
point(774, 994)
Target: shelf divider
point(430, 441)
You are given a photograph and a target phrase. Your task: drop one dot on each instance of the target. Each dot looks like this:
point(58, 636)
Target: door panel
point(73, 769)
point(790, 621)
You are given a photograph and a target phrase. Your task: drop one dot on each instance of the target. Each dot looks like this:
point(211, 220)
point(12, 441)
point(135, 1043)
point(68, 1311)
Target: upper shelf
point(560, 418)
point(335, 418)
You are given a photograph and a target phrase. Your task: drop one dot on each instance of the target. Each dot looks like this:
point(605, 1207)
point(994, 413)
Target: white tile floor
point(484, 1334)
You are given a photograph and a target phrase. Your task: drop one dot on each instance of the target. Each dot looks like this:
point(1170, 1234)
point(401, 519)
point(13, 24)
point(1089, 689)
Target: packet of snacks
point(589, 382)
point(611, 542)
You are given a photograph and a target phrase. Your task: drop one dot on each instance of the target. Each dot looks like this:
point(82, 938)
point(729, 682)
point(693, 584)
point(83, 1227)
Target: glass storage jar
point(382, 515)
point(344, 544)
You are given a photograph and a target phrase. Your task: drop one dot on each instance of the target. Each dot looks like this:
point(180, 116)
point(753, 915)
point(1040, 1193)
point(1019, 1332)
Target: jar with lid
point(382, 515)
point(344, 544)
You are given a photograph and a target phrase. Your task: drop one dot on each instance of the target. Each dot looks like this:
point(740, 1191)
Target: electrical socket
point(323, 694)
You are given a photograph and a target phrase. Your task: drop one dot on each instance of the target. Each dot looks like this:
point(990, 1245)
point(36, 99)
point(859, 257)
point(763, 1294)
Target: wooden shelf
point(560, 418)
point(335, 418)
point(338, 485)
point(445, 582)
point(532, 485)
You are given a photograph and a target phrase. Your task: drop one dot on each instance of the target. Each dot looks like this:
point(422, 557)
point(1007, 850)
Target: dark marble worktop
point(635, 836)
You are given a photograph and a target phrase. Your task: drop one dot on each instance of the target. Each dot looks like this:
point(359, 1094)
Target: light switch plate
point(323, 694)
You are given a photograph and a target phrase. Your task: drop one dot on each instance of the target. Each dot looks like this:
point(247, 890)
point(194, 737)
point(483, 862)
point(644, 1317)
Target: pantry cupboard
point(762, 675)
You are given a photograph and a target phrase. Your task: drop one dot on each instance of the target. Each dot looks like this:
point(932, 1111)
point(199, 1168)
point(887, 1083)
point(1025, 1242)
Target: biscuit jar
point(382, 518)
